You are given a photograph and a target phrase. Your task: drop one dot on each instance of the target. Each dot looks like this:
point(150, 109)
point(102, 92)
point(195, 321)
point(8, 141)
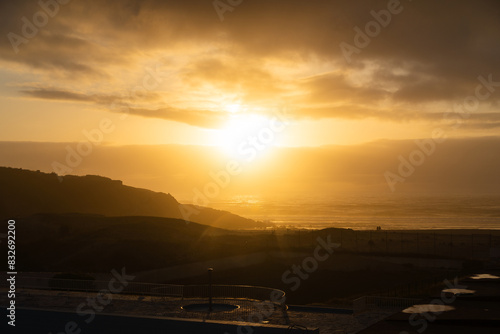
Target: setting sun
point(248, 136)
point(233, 108)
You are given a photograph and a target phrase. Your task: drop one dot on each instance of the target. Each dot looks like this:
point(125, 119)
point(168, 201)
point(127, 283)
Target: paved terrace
point(473, 306)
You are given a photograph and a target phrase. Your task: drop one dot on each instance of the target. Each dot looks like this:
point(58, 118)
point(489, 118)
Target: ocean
point(366, 212)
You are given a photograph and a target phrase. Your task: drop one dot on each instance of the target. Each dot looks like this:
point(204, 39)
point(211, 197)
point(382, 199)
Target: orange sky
point(260, 75)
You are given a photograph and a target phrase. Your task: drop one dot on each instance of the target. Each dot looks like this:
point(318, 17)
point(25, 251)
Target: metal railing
point(151, 289)
point(233, 291)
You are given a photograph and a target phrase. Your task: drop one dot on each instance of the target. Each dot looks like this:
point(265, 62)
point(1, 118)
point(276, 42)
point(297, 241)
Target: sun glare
point(233, 108)
point(246, 137)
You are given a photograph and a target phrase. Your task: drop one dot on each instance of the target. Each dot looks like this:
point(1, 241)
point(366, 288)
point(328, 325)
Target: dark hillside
point(24, 193)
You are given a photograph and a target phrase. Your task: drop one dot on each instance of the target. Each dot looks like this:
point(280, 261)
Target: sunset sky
point(308, 79)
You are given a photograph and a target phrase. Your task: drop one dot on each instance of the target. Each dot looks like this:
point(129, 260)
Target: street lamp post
point(210, 270)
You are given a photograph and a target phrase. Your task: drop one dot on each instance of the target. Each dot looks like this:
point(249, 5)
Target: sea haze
point(402, 212)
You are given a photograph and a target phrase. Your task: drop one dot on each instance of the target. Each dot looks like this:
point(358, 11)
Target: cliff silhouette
point(24, 193)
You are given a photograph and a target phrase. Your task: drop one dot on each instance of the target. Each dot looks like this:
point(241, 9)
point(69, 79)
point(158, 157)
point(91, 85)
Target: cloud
point(246, 79)
point(75, 96)
point(199, 118)
point(127, 105)
point(59, 95)
point(334, 87)
point(432, 52)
